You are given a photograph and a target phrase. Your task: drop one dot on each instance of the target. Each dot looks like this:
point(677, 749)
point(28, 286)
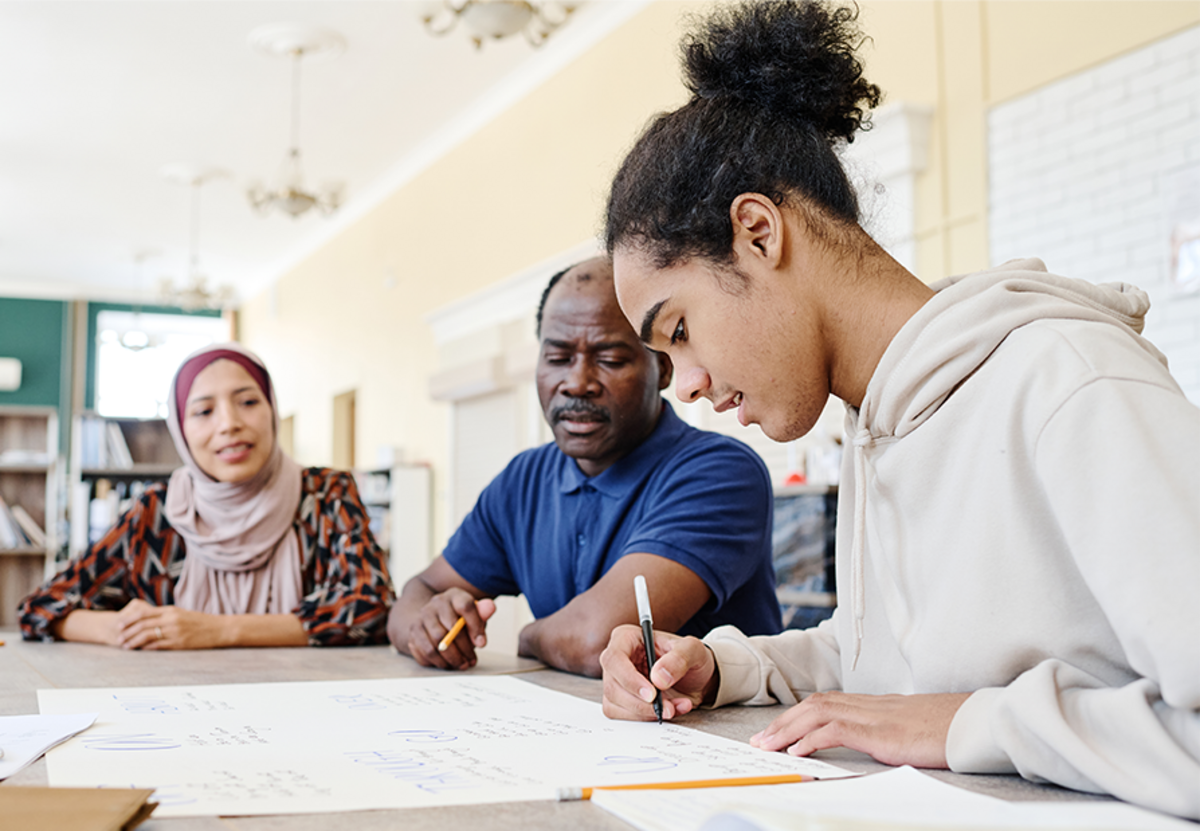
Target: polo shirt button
point(581, 540)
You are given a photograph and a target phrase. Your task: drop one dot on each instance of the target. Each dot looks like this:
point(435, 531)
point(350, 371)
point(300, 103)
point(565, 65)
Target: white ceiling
point(96, 96)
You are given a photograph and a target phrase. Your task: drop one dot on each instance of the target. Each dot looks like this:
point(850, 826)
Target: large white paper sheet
point(24, 738)
point(902, 799)
point(315, 746)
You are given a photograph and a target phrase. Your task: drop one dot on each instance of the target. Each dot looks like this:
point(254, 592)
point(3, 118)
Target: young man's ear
point(666, 369)
point(757, 230)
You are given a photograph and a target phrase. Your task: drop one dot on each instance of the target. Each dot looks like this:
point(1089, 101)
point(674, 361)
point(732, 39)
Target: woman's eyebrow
point(238, 391)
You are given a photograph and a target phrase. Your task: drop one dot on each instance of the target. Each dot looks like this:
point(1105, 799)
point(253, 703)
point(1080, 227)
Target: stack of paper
point(902, 799)
point(25, 738)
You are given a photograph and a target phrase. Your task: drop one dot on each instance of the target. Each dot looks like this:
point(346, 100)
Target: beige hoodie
point(1019, 517)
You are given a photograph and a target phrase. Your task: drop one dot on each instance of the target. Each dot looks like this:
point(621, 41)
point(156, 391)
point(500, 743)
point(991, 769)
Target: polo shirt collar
point(626, 471)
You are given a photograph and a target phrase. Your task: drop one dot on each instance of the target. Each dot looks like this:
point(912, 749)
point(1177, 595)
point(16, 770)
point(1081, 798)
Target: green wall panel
point(32, 332)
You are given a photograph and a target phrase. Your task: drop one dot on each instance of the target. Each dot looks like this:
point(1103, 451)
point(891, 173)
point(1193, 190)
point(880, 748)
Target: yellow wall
point(527, 186)
point(532, 183)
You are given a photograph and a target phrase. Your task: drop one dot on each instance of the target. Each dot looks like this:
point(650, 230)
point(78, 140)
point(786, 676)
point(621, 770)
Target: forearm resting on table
point(564, 645)
point(91, 626)
point(574, 637)
point(86, 626)
point(263, 630)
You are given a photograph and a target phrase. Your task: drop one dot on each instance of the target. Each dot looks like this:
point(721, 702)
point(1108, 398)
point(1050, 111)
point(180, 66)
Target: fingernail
point(646, 694)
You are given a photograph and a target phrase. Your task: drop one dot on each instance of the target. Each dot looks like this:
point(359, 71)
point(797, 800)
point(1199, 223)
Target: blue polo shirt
point(545, 530)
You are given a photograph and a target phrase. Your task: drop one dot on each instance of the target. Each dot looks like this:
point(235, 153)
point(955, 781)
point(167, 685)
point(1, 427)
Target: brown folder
point(73, 809)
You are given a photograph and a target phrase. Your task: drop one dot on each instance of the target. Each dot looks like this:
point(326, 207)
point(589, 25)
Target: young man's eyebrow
point(648, 321)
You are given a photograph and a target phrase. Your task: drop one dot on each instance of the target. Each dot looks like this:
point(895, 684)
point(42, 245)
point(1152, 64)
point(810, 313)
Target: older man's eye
point(680, 333)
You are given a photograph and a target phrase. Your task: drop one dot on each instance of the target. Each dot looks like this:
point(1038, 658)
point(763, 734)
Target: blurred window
point(137, 354)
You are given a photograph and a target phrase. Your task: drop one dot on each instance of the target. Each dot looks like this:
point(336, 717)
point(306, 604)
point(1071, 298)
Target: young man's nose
point(691, 383)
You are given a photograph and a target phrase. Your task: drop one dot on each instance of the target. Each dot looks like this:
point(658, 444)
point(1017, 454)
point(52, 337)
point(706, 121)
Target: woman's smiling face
point(739, 339)
point(227, 423)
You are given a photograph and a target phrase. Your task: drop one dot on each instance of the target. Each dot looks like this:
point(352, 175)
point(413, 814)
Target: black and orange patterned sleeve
point(347, 601)
point(130, 561)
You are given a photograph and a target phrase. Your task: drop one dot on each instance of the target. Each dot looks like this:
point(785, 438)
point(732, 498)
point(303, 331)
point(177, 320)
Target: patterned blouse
point(346, 590)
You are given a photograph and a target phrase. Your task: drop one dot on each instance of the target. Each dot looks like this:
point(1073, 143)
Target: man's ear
point(758, 230)
point(666, 369)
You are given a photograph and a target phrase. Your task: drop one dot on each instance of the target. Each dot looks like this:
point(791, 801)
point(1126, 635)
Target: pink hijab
point(243, 556)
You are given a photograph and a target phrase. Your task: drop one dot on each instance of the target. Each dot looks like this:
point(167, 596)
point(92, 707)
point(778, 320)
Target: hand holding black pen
point(647, 622)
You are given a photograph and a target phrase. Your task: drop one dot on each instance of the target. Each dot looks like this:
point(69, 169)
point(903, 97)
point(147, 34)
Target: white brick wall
point(1092, 172)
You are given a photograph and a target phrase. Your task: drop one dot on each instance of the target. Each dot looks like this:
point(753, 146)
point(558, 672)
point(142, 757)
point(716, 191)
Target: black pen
point(643, 607)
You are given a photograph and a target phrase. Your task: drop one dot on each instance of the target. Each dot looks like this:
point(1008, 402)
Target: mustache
point(578, 407)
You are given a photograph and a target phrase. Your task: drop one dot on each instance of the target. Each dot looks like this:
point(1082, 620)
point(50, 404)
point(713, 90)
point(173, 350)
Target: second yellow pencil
point(452, 634)
point(568, 794)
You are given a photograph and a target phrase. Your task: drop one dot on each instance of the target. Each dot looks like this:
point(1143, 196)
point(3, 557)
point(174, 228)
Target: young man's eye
point(680, 333)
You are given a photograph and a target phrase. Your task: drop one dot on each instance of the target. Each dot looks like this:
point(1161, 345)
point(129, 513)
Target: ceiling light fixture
point(296, 42)
point(194, 294)
point(497, 19)
point(135, 339)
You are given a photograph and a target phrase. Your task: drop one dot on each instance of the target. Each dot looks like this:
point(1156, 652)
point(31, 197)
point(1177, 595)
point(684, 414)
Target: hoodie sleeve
point(771, 669)
point(1120, 463)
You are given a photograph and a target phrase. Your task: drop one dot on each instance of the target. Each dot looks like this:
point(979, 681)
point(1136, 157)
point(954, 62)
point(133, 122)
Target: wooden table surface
point(27, 667)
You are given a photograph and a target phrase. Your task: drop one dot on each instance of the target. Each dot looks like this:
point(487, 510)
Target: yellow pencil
point(568, 794)
point(452, 634)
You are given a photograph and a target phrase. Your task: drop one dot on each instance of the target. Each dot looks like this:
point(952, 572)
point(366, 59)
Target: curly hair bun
point(792, 57)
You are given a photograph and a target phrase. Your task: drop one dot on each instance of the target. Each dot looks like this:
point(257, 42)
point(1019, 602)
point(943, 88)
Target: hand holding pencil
point(685, 674)
point(451, 626)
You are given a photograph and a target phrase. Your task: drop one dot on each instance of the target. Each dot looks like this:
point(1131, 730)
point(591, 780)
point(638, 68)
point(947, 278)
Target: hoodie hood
point(946, 341)
point(963, 323)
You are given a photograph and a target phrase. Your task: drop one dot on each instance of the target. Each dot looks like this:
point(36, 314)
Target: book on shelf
point(33, 531)
point(11, 535)
point(103, 445)
point(118, 449)
point(21, 456)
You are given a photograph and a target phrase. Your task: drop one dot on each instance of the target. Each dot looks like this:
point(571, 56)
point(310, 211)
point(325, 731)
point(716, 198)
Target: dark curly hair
point(775, 86)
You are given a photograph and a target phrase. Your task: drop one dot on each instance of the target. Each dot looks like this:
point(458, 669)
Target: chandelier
point(288, 193)
point(496, 19)
point(194, 293)
point(135, 338)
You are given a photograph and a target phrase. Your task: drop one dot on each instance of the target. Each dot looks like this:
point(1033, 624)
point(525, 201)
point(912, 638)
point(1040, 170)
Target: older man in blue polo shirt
point(626, 488)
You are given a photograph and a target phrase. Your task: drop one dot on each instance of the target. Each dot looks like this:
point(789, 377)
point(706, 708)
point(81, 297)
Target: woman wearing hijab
point(242, 547)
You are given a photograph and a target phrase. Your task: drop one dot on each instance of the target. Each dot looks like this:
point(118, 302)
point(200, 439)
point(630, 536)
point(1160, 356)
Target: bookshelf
point(29, 503)
point(802, 541)
point(112, 461)
point(399, 503)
